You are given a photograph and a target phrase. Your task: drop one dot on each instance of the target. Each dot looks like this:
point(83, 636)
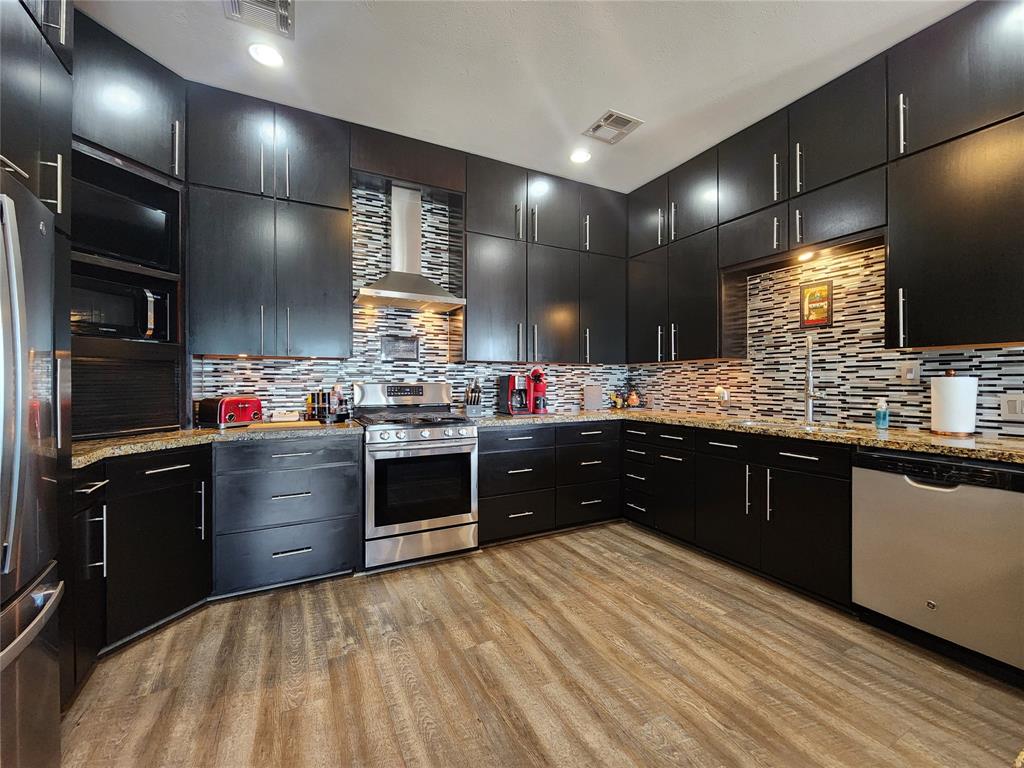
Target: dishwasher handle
point(931, 485)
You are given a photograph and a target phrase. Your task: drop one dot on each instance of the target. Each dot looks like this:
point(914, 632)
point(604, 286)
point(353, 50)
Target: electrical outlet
point(908, 371)
point(1011, 407)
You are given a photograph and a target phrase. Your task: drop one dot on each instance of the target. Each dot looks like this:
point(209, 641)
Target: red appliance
point(233, 411)
point(538, 387)
point(513, 395)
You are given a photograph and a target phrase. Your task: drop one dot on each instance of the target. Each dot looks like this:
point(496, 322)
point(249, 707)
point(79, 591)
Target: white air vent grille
point(277, 16)
point(613, 127)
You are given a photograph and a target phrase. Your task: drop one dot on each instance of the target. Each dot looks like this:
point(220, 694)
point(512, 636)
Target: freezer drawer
point(945, 558)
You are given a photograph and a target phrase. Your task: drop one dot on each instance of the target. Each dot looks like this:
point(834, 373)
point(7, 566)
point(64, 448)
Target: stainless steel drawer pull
point(591, 463)
point(519, 471)
point(593, 432)
point(513, 439)
point(290, 552)
point(635, 432)
point(88, 489)
point(670, 458)
point(591, 501)
point(637, 477)
point(798, 456)
point(290, 455)
point(167, 469)
point(521, 514)
point(636, 506)
point(634, 450)
point(722, 445)
point(283, 496)
point(673, 437)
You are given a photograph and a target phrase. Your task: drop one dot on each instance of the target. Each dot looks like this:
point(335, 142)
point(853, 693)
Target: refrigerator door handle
point(52, 597)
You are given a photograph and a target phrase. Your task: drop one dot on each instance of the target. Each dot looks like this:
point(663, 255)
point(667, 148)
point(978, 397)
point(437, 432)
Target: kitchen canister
point(954, 404)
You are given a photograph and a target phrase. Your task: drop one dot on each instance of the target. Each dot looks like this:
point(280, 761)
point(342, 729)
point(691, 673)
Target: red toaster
point(233, 411)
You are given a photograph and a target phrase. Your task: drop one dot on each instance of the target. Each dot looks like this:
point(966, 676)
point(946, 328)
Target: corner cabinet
point(693, 296)
point(647, 307)
point(603, 221)
point(554, 205)
point(602, 309)
point(648, 206)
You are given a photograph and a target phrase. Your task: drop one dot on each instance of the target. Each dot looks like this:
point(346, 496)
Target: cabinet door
point(158, 561)
point(647, 307)
point(20, 45)
point(55, 140)
point(726, 519)
point(956, 242)
point(841, 209)
point(753, 237)
point(495, 198)
point(693, 195)
point(89, 612)
point(674, 481)
point(314, 281)
point(311, 158)
point(603, 308)
point(232, 293)
point(805, 532)
point(126, 102)
point(963, 73)
point(753, 167)
point(58, 24)
point(693, 297)
point(554, 211)
point(553, 304)
point(647, 210)
point(839, 129)
point(495, 299)
point(230, 140)
point(603, 221)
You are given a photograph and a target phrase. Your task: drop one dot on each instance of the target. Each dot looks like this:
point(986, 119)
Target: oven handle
point(410, 451)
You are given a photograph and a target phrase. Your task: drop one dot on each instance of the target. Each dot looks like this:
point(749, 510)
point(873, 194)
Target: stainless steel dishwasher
point(939, 544)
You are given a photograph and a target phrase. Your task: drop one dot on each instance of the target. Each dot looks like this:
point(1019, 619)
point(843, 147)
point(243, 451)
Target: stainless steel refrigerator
point(30, 589)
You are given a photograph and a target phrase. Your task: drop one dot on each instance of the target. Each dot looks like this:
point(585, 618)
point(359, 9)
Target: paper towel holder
point(949, 373)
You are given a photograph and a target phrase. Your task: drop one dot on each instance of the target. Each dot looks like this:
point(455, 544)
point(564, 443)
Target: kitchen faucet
point(810, 395)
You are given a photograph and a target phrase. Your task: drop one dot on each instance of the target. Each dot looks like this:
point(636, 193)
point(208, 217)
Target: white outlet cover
point(1011, 407)
point(908, 371)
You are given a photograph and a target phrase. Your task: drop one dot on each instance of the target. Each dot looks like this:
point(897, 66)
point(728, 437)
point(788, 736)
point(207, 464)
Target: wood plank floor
point(604, 646)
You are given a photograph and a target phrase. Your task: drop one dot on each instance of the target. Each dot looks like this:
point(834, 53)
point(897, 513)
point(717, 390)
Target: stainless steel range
point(421, 472)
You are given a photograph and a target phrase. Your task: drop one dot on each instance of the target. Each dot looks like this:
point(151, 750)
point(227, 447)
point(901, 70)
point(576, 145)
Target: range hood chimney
point(405, 286)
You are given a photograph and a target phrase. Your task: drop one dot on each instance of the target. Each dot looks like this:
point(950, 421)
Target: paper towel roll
point(954, 404)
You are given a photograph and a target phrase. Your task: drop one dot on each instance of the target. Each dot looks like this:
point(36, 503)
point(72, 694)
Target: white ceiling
point(520, 81)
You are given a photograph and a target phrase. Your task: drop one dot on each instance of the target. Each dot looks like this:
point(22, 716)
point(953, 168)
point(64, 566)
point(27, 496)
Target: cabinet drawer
point(733, 445)
point(278, 555)
point(638, 507)
point(637, 476)
point(578, 504)
point(641, 452)
point(153, 471)
point(515, 471)
point(588, 463)
point(89, 485)
point(805, 456)
point(285, 454)
point(638, 430)
point(516, 439)
point(671, 436)
point(247, 500)
point(592, 432)
point(517, 514)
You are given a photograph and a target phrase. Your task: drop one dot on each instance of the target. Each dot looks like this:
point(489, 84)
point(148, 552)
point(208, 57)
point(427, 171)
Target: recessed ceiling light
point(579, 155)
point(266, 55)
point(805, 256)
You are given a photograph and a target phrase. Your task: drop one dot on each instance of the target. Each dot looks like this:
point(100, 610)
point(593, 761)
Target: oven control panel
point(404, 390)
point(418, 434)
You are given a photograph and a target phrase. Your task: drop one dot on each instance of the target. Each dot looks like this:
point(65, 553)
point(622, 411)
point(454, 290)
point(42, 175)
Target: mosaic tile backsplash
point(853, 369)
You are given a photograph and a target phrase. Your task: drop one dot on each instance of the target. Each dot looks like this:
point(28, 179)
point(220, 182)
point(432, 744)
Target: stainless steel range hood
point(405, 286)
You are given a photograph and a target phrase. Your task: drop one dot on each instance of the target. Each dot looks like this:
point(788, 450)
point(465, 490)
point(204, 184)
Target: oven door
point(412, 488)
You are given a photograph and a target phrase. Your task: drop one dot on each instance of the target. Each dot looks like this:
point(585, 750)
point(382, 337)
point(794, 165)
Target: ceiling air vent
point(277, 16)
point(613, 127)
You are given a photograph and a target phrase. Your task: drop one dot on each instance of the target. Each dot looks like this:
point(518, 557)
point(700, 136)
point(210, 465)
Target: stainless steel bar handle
point(903, 123)
point(104, 541)
point(900, 300)
point(513, 439)
point(287, 172)
point(520, 514)
point(518, 471)
point(592, 432)
point(92, 488)
point(60, 419)
point(637, 477)
point(672, 339)
point(62, 24)
point(519, 221)
point(768, 496)
point(586, 338)
point(671, 222)
point(536, 225)
point(661, 216)
point(670, 458)
point(176, 128)
point(635, 432)
point(775, 176)
point(723, 445)
point(287, 330)
point(636, 506)
point(591, 463)
point(799, 456)
point(202, 510)
point(59, 200)
point(519, 341)
point(7, 165)
point(286, 496)
point(536, 345)
point(634, 450)
point(261, 167)
point(799, 229)
point(660, 334)
point(261, 329)
point(671, 437)
point(171, 468)
point(747, 490)
point(290, 455)
point(590, 501)
point(586, 229)
point(150, 312)
point(290, 552)
point(799, 180)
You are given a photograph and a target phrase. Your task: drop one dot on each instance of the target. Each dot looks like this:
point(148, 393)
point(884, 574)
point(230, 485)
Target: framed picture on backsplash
point(816, 304)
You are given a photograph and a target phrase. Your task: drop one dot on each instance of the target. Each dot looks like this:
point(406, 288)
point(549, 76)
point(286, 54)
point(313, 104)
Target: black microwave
point(120, 311)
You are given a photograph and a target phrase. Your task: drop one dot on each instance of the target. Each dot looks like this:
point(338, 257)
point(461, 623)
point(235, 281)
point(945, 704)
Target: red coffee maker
point(538, 386)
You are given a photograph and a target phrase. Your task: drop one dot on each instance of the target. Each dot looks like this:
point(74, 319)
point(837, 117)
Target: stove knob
point(424, 433)
point(448, 432)
point(385, 435)
point(462, 432)
point(400, 435)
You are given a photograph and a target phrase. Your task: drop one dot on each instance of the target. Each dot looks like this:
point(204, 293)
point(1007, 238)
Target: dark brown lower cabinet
point(674, 482)
point(587, 503)
point(516, 514)
point(726, 522)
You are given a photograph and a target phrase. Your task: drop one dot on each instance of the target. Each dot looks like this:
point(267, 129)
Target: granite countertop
point(987, 448)
point(86, 452)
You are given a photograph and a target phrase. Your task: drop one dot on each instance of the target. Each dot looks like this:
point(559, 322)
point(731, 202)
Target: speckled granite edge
point(1002, 449)
point(88, 452)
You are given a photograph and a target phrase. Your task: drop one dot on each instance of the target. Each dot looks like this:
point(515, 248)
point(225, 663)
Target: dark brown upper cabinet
point(57, 21)
point(844, 208)
point(839, 129)
point(956, 242)
point(55, 138)
point(754, 237)
point(648, 208)
point(553, 304)
point(554, 205)
point(230, 141)
point(602, 308)
point(753, 167)
point(20, 45)
point(693, 297)
point(495, 198)
point(693, 195)
point(495, 299)
point(126, 102)
point(647, 307)
point(961, 74)
point(603, 221)
point(398, 157)
point(311, 158)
